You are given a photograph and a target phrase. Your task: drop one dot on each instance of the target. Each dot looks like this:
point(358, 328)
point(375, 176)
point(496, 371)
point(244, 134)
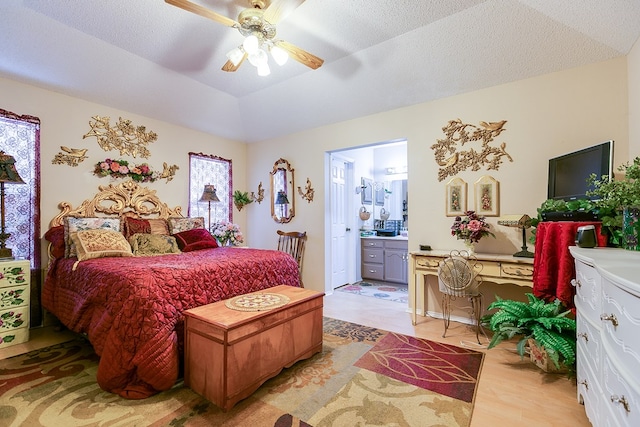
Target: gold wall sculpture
point(123, 136)
point(308, 192)
point(260, 197)
point(452, 159)
point(71, 156)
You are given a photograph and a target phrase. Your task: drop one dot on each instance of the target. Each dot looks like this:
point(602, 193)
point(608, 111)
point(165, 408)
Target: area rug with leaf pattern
point(362, 377)
point(386, 291)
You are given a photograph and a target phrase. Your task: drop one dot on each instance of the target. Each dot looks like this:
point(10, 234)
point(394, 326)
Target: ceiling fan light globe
point(258, 58)
point(235, 56)
point(279, 55)
point(264, 70)
point(251, 44)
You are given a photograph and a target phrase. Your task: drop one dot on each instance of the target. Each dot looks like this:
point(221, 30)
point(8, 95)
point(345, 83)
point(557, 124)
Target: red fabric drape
point(553, 266)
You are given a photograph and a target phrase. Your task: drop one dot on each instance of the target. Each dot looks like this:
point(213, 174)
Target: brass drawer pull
point(576, 283)
point(610, 317)
point(584, 335)
point(585, 384)
point(621, 400)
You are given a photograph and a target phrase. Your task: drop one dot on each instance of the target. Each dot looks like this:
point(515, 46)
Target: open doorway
point(383, 165)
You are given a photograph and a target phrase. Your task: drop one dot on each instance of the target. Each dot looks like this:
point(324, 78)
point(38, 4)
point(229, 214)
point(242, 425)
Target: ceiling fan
point(258, 25)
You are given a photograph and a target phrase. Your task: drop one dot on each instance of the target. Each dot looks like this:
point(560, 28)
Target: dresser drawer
point(589, 342)
point(14, 273)
point(588, 291)
point(620, 398)
point(13, 337)
point(620, 318)
point(588, 387)
point(14, 318)
point(14, 296)
point(372, 256)
point(373, 271)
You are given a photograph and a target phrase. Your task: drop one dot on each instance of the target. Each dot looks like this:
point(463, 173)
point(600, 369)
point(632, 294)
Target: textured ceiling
point(154, 59)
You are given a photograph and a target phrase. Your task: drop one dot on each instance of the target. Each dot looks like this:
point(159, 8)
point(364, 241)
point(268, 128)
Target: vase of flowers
point(471, 228)
point(227, 233)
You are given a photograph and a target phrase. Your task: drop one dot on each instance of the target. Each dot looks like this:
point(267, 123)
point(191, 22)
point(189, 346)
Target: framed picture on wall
point(456, 197)
point(367, 191)
point(487, 196)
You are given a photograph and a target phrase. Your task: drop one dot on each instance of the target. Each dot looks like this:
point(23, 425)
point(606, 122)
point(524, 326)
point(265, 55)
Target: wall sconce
point(523, 222)
point(260, 195)
point(9, 175)
point(209, 195)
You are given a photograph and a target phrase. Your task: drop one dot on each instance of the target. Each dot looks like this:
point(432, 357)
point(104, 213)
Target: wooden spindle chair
point(293, 243)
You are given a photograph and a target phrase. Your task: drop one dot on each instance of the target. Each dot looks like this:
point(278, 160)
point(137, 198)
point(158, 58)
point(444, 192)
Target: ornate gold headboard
point(120, 199)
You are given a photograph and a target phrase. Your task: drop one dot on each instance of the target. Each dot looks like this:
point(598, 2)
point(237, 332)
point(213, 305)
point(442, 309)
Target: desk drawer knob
point(611, 318)
point(621, 400)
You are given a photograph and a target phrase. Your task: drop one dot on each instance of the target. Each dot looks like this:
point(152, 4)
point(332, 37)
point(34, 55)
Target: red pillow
point(134, 225)
point(195, 239)
point(55, 235)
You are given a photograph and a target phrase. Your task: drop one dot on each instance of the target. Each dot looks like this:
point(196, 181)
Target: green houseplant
point(241, 199)
point(613, 197)
point(546, 323)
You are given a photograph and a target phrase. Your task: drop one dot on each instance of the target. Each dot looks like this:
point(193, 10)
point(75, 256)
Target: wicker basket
point(364, 214)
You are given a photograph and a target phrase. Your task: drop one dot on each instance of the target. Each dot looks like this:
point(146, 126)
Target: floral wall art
point(478, 150)
point(456, 197)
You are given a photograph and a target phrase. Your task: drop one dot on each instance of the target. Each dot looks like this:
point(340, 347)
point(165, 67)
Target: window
point(20, 138)
point(210, 170)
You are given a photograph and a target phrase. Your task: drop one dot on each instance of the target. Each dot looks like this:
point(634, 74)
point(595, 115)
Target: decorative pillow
point(148, 226)
point(195, 239)
point(153, 244)
point(100, 243)
point(73, 224)
point(177, 224)
point(55, 235)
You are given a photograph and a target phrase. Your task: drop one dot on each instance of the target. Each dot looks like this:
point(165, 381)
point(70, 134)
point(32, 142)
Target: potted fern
point(544, 329)
point(241, 199)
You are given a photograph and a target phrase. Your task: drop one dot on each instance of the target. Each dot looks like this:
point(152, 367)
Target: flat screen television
point(568, 173)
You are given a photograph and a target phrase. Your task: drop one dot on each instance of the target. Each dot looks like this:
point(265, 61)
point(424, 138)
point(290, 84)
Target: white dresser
point(608, 327)
point(14, 302)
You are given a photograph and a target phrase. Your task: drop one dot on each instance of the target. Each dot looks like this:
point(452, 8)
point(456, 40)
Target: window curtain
point(20, 138)
point(208, 169)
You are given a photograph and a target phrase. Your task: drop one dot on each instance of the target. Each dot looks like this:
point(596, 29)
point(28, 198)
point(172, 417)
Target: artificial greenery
point(547, 323)
point(551, 205)
point(241, 199)
point(614, 195)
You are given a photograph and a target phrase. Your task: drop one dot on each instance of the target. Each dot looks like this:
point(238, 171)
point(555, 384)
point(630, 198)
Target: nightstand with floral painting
point(14, 302)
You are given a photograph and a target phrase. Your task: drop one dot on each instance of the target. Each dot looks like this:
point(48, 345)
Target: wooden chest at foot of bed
point(230, 352)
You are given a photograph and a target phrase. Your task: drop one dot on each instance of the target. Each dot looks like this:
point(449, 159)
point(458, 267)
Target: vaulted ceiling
point(157, 60)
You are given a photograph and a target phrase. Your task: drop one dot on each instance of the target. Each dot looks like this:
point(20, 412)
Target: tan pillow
point(72, 225)
point(178, 224)
point(100, 243)
point(143, 244)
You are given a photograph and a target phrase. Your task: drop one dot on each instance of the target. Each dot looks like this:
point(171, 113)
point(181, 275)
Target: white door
point(339, 227)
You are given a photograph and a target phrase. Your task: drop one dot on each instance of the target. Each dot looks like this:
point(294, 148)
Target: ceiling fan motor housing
point(252, 23)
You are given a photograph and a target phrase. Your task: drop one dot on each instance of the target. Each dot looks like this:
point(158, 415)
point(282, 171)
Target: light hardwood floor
point(511, 392)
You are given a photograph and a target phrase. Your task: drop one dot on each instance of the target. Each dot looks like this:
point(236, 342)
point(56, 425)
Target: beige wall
point(546, 116)
point(633, 71)
point(64, 120)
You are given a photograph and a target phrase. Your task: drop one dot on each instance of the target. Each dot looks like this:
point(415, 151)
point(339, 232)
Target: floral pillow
point(100, 243)
point(73, 225)
point(177, 224)
point(195, 239)
point(146, 244)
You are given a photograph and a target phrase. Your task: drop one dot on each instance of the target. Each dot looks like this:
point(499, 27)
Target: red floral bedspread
point(131, 308)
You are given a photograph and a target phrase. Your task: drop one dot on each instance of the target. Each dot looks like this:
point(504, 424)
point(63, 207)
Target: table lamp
point(209, 195)
point(9, 175)
point(523, 222)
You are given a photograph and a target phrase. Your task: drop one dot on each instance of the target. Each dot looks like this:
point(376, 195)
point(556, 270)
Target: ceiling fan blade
point(229, 67)
point(300, 55)
point(203, 11)
point(280, 9)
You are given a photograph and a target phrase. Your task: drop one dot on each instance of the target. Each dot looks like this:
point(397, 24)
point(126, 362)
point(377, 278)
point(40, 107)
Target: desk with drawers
point(501, 269)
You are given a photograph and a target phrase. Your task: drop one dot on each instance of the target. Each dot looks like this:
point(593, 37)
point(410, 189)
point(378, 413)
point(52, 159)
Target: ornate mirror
point(282, 192)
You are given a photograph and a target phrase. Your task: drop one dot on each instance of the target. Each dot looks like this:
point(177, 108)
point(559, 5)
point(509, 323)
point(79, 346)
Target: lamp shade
point(282, 198)
point(209, 194)
point(8, 172)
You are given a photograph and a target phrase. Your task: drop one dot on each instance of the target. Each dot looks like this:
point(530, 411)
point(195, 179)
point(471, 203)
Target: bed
point(130, 307)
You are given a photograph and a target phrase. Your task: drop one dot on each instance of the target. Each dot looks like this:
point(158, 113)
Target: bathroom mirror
point(282, 192)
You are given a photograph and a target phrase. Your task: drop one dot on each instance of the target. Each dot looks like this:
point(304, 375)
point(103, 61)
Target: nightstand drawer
point(14, 273)
point(14, 296)
point(15, 336)
point(14, 318)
